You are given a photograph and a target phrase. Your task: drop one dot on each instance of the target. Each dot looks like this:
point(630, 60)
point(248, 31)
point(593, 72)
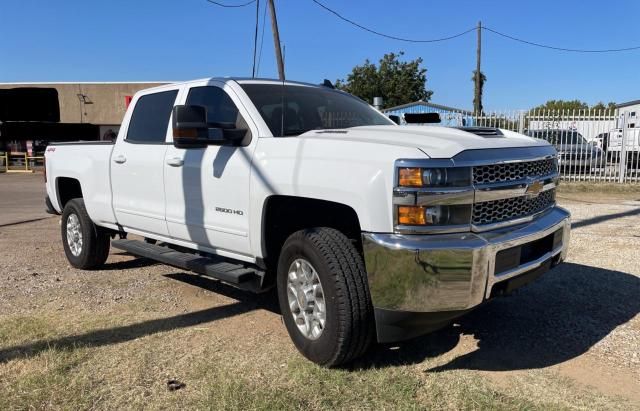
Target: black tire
point(349, 328)
point(95, 240)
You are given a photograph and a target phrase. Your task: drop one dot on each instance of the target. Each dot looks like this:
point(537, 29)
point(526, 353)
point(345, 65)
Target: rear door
point(137, 164)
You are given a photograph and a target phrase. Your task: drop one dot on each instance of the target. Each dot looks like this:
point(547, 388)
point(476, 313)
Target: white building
point(631, 112)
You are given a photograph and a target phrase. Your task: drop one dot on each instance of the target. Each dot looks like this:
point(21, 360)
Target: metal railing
point(593, 145)
point(20, 162)
point(4, 162)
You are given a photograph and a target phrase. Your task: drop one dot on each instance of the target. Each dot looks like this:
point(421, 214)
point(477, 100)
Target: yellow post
point(26, 162)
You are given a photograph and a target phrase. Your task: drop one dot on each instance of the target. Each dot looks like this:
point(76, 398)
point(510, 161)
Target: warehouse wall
point(105, 103)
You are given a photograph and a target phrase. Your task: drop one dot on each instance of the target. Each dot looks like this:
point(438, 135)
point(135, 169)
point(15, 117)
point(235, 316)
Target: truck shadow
point(245, 303)
point(267, 300)
point(137, 262)
point(556, 319)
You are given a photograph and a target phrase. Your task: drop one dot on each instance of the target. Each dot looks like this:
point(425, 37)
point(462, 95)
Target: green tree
point(562, 105)
point(571, 105)
point(600, 106)
point(478, 89)
point(397, 82)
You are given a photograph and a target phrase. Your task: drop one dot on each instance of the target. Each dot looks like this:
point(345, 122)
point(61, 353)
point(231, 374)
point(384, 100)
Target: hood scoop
point(489, 132)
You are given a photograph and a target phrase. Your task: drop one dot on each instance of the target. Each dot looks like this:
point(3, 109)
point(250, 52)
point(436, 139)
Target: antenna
point(327, 83)
point(282, 100)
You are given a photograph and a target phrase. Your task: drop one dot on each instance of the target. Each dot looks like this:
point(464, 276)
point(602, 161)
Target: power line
point(255, 39)
point(388, 35)
point(264, 16)
point(231, 5)
point(531, 43)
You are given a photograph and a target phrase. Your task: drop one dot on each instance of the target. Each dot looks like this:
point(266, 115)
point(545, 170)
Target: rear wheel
point(85, 244)
point(324, 296)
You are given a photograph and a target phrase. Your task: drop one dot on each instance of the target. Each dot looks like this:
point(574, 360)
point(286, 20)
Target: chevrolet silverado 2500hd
point(370, 231)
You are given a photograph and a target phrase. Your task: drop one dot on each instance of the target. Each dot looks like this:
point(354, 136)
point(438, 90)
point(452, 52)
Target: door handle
point(175, 162)
point(119, 159)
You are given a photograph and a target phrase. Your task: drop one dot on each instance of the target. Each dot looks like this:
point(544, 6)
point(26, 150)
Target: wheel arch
point(67, 188)
point(282, 215)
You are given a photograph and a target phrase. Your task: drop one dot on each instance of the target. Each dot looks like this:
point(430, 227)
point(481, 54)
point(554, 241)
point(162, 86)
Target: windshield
point(309, 108)
point(559, 137)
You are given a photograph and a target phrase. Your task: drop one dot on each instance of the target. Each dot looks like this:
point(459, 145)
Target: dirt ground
point(114, 338)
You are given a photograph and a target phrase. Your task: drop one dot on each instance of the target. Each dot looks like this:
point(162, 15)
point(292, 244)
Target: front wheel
point(85, 244)
point(324, 296)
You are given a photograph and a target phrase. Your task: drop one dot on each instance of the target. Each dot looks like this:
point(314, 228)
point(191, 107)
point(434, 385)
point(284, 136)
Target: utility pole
point(476, 100)
point(276, 40)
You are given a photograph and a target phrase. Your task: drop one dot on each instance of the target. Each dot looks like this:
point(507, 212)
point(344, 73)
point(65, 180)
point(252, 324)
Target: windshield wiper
point(295, 132)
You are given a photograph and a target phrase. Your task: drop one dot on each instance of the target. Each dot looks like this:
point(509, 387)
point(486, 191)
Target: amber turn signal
point(411, 215)
point(410, 177)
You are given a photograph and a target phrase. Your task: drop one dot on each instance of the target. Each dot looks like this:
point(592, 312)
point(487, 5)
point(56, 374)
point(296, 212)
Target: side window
point(150, 118)
point(220, 108)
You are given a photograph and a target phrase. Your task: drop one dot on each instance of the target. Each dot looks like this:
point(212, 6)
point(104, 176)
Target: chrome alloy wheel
point(306, 299)
point(74, 235)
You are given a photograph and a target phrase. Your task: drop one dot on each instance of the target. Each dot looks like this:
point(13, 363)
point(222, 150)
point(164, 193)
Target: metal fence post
point(622, 170)
point(521, 122)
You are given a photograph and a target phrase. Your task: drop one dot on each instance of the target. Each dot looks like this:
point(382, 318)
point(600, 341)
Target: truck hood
point(434, 141)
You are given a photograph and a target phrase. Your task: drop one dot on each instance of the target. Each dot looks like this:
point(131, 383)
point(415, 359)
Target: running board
point(236, 274)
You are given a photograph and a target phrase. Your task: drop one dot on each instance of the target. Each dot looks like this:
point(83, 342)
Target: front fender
point(356, 174)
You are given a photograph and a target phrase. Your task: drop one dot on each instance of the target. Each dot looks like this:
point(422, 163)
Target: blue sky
point(120, 40)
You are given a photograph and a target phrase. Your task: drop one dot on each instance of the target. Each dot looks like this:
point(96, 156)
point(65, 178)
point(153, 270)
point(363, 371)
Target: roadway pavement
point(21, 198)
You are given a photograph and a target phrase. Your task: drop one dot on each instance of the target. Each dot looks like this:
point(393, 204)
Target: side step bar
point(236, 274)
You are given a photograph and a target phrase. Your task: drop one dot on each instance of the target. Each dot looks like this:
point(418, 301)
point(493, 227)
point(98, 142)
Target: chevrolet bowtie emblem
point(534, 189)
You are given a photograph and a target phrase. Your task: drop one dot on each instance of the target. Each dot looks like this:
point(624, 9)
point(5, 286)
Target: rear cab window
point(150, 118)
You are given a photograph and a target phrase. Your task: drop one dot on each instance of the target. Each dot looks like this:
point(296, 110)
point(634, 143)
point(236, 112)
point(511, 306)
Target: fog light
point(411, 215)
point(434, 215)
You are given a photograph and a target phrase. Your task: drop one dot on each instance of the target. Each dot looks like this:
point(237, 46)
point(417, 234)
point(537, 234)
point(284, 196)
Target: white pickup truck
point(370, 231)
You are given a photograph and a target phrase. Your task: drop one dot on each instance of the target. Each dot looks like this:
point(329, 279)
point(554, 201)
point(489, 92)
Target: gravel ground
point(578, 323)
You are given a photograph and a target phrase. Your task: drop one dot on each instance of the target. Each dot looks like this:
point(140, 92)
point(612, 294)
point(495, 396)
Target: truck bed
point(89, 163)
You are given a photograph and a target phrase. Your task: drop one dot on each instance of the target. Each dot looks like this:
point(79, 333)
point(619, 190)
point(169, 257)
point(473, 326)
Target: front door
point(138, 164)
point(208, 188)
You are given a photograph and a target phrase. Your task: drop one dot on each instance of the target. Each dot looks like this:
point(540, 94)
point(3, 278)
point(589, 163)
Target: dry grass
point(42, 368)
point(600, 188)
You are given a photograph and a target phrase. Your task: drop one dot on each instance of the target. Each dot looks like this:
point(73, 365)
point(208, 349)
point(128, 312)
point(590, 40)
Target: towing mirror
point(190, 129)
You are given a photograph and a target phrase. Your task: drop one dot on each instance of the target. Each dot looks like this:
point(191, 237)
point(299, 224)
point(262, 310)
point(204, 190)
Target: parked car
point(370, 231)
point(574, 152)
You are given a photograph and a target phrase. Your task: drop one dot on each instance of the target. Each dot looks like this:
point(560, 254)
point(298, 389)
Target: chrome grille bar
point(496, 173)
point(491, 212)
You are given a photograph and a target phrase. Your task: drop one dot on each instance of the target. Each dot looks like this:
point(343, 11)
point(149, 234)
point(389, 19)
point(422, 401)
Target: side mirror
point(190, 129)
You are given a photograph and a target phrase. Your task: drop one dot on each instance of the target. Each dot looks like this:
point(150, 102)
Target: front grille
point(491, 212)
point(498, 173)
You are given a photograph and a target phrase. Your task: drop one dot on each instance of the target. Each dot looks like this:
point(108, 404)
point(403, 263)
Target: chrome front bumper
point(454, 272)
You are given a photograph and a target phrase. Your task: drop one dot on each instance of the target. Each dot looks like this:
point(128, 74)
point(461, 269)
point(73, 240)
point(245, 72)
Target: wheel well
point(284, 215)
point(68, 188)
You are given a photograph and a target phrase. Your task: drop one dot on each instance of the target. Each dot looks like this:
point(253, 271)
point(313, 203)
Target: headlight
point(434, 177)
point(437, 215)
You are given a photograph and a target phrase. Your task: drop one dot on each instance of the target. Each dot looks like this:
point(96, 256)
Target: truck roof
point(241, 80)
